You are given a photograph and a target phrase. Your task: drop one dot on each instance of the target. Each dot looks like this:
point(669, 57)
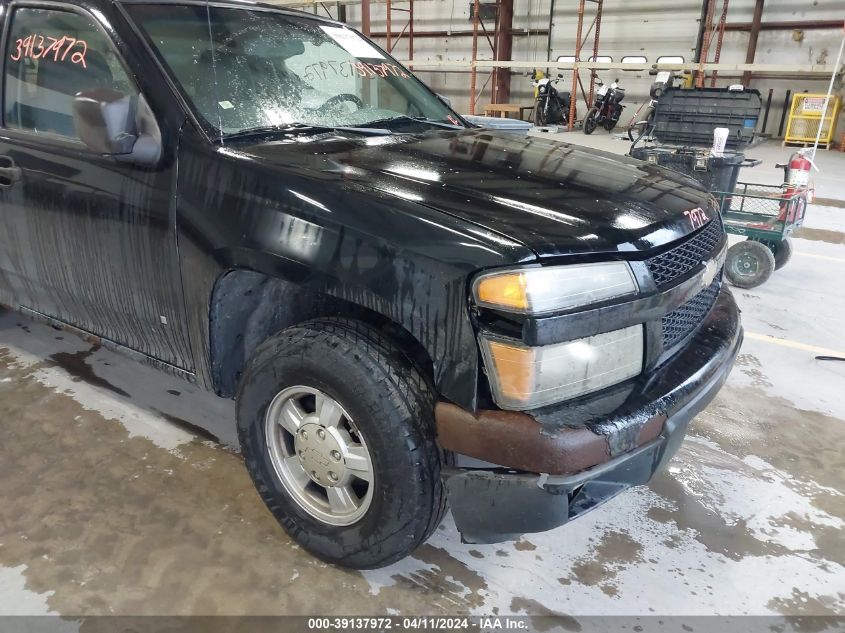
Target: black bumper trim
point(490, 506)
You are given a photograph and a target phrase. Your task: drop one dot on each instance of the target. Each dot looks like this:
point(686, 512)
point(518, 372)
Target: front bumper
point(579, 455)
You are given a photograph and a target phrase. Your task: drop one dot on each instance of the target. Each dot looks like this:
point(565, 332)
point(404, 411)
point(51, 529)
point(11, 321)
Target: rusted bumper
point(561, 462)
point(517, 440)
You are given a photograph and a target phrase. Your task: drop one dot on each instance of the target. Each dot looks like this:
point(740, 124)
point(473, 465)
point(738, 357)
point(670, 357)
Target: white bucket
point(720, 137)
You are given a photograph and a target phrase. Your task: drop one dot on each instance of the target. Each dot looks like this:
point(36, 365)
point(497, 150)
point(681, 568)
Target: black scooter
point(552, 106)
point(607, 108)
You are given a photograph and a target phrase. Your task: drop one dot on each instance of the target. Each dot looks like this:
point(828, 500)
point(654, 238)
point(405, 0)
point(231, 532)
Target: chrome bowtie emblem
point(709, 274)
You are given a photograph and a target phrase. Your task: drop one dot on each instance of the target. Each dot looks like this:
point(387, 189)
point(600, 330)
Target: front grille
point(673, 264)
point(679, 323)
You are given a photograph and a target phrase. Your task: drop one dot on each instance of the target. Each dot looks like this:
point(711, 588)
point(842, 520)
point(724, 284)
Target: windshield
point(246, 69)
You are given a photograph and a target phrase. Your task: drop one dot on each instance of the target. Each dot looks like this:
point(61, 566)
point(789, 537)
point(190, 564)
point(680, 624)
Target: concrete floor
point(115, 502)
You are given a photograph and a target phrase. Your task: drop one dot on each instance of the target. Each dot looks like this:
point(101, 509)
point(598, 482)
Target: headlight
point(529, 377)
point(541, 290)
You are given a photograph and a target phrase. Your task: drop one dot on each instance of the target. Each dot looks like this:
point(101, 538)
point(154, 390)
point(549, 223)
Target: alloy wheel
point(319, 455)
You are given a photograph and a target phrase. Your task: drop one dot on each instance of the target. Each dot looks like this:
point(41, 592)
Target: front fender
point(327, 234)
point(427, 300)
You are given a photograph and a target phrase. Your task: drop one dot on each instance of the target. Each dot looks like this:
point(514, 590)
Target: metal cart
point(766, 215)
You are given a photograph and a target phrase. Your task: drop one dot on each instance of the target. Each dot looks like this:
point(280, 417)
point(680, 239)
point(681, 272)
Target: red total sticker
point(65, 48)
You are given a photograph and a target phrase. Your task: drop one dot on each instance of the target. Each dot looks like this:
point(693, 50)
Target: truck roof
point(242, 4)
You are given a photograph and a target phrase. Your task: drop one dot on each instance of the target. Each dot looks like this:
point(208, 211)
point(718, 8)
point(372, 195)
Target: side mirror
point(106, 121)
point(445, 100)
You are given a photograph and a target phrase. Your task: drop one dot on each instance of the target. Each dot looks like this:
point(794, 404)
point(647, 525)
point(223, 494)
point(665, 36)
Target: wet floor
point(121, 495)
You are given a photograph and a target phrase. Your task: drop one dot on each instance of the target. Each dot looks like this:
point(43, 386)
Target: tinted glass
point(244, 68)
point(51, 56)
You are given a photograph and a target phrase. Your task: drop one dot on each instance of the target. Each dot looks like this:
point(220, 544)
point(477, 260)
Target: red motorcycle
point(607, 108)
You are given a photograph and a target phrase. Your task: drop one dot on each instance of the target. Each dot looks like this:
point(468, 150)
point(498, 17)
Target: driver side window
point(51, 56)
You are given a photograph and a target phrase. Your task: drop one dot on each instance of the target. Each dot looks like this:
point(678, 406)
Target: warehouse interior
point(793, 46)
point(124, 488)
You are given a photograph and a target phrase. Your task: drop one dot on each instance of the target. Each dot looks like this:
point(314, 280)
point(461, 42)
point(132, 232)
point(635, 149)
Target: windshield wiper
point(302, 128)
point(404, 118)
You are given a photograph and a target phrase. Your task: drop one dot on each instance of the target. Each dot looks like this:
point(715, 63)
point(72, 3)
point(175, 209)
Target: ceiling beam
point(803, 25)
point(804, 69)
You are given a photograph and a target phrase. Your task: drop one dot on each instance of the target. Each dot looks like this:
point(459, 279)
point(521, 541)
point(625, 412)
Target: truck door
point(86, 239)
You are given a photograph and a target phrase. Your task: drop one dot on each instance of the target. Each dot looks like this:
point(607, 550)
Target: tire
point(782, 251)
point(749, 264)
point(392, 406)
point(590, 121)
point(539, 120)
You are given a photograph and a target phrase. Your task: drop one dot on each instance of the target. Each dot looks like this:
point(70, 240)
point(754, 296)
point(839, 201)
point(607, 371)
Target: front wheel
point(749, 264)
point(590, 121)
point(539, 115)
point(337, 431)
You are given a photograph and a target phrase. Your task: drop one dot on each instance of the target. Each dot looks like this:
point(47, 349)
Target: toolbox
point(683, 125)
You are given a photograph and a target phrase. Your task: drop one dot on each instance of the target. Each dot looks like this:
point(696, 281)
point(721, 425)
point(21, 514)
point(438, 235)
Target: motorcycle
point(663, 80)
point(551, 106)
point(607, 108)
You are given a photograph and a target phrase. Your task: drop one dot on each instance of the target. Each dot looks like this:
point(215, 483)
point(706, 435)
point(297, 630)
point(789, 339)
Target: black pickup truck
point(407, 308)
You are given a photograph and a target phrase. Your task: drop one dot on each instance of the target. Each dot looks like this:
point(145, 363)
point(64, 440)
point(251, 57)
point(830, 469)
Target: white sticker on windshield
point(352, 43)
point(226, 105)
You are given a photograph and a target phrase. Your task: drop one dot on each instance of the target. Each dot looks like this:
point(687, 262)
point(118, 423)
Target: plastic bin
point(688, 117)
point(716, 173)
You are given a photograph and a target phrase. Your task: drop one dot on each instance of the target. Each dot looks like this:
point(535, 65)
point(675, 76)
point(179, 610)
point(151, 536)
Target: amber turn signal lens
point(507, 291)
point(514, 371)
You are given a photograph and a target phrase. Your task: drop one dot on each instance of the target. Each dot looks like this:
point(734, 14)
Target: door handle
point(9, 173)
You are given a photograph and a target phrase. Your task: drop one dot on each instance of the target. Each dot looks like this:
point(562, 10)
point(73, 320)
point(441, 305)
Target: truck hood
point(555, 198)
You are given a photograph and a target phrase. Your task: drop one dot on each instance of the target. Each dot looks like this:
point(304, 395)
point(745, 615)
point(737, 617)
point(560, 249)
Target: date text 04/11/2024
point(419, 623)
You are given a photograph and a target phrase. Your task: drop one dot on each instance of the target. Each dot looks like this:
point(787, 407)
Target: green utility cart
point(766, 215)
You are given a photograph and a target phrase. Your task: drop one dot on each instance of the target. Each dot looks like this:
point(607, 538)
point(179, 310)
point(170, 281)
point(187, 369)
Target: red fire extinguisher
point(796, 185)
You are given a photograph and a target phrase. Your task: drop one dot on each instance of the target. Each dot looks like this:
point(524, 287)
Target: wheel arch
point(247, 307)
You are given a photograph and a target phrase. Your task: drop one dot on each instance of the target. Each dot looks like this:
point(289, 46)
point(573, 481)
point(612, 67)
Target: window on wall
point(566, 59)
point(601, 59)
point(634, 59)
point(51, 56)
point(670, 59)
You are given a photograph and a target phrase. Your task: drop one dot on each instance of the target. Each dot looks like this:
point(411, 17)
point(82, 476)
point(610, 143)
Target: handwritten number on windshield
point(350, 68)
point(33, 46)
